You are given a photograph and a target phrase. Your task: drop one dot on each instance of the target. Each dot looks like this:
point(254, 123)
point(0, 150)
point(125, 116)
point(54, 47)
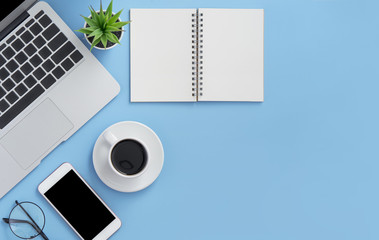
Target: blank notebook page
point(232, 55)
point(161, 55)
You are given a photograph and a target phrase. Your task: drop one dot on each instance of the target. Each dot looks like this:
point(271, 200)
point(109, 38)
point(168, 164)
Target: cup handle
point(110, 138)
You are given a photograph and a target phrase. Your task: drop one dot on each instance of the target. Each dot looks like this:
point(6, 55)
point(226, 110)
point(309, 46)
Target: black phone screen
point(81, 208)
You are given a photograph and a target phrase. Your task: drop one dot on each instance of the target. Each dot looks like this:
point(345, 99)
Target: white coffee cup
point(129, 151)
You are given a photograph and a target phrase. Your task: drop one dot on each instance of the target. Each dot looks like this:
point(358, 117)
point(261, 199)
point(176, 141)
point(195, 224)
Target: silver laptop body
point(66, 87)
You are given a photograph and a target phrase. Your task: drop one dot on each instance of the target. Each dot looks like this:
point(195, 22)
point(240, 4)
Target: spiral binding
point(200, 53)
point(197, 54)
point(194, 55)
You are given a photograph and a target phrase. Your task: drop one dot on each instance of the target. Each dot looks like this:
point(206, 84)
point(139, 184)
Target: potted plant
point(103, 29)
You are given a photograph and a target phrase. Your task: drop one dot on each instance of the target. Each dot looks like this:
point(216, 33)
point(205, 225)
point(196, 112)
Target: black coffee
point(129, 157)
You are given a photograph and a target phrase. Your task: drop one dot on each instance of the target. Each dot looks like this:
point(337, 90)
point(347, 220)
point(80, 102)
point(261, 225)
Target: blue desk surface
point(302, 165)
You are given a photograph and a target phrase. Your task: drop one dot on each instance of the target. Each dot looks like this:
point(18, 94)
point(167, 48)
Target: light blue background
point(302, 165)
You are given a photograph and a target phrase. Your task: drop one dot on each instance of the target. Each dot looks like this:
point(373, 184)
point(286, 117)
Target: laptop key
point(30, 50)
point(8, 52)
point(48, 65)
point(3, 74)
point(30, 81)
point(11, 39)
point(26, 68)
point(17, 76)
point(8, 84)
point(48, 81)
point(76, 56)
point(39, 41)
point(31, 21)
point(45, 52)
point(11, 65)
point(39, 14)
point(58, 72)
point(26, 37)
point(21, 57)
point(20, 106)
point(21, 89)
point(63, 52)
point(39, 73)
point(50, 31)
point(45, 21)
point(67, 64)
point(35, 60)
point(2, 92)
point(12, 97)
point(57, 41)
point(17, 45)
point(21, 30)
point(2, 61)
point(3, 105)
point(35, 29)
point(2, 46)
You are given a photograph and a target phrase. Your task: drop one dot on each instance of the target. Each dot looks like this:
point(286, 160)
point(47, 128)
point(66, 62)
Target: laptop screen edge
point(25, 5)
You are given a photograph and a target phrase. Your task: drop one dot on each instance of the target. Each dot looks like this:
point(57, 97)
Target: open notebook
point(187, 55)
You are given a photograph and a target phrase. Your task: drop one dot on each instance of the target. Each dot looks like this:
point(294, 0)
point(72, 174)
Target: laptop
point(50, 86)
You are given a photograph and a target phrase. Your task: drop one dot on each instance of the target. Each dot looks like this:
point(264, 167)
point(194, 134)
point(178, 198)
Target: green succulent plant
point(102, 25)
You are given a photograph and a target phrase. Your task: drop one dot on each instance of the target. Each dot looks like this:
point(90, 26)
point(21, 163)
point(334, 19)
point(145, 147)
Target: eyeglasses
point(26, 220)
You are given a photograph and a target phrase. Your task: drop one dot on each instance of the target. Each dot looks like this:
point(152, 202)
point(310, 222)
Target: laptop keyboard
point(32, 60)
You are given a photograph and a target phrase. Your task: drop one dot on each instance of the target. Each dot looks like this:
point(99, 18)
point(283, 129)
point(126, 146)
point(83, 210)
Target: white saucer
point(153, 145)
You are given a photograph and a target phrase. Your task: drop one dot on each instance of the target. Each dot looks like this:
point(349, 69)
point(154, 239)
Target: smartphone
point(78, 204)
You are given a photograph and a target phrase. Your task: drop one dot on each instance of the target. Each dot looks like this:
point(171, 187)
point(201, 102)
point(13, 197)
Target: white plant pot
point(114, 45)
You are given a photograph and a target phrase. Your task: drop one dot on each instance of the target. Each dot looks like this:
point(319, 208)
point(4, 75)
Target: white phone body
point(54, 178)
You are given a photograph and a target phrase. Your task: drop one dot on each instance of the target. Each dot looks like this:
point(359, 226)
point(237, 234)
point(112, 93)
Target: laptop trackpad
point(36, 133)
